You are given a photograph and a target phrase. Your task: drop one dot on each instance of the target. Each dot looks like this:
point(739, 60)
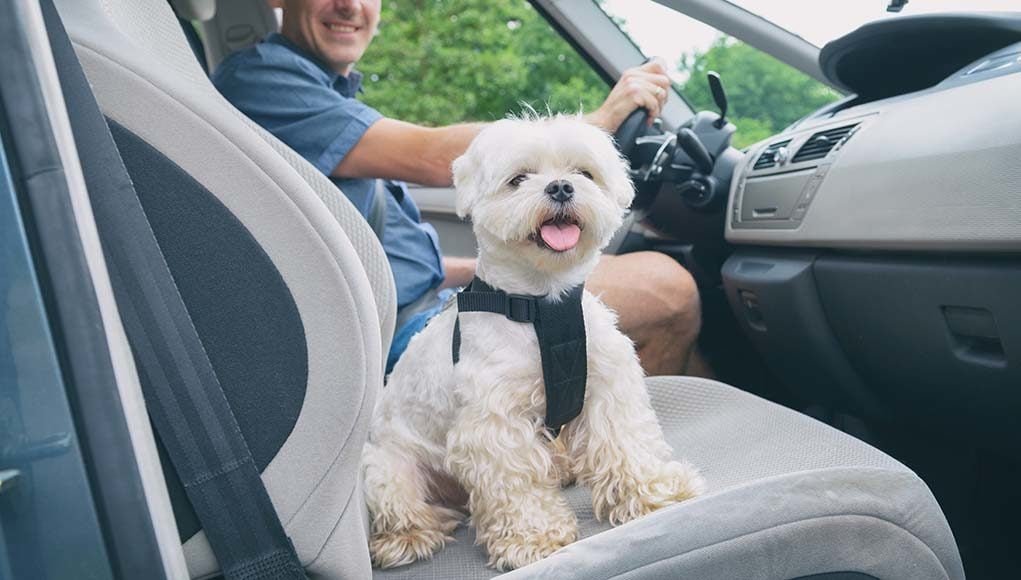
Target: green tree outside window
point(764, 94)
point(437, 62)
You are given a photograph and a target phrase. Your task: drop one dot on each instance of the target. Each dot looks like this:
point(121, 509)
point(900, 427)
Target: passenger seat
point(788, 497)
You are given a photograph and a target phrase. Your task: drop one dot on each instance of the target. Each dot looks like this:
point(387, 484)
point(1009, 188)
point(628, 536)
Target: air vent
point(768, 157)
point(820, 144)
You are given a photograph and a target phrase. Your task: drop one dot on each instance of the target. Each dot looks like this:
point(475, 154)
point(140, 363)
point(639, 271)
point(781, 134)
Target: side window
point(436, 62)
point(764, 94)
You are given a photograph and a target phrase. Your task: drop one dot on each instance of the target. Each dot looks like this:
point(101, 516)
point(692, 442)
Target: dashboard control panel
point(776, 190)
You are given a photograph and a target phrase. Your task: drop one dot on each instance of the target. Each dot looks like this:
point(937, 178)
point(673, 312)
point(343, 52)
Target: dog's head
point(545, 195)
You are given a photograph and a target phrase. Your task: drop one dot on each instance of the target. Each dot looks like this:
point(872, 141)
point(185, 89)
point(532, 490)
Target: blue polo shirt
point(314, 110)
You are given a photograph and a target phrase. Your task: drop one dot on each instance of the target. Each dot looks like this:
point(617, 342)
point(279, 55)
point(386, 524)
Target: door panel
point(437, 205)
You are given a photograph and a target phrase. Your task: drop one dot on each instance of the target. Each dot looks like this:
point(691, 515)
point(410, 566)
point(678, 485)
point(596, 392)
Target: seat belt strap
point(183, 396)
point(560, 331)
point(377, 209)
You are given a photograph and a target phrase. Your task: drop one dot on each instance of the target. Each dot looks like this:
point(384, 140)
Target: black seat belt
point(377, 210)
point(560, 331)
point(183, 396)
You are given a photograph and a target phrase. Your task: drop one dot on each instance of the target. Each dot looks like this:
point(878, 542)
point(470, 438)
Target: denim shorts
point(414, 325)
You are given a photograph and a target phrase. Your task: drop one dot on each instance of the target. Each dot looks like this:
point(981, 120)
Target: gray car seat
point(789, 497)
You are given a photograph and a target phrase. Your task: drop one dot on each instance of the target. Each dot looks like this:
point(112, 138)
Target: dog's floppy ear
point(467, 183)
point(618, 183)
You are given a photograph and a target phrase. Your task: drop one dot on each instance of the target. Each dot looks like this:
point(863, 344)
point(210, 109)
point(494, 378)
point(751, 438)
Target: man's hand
point(644, 86)
point(460, 271)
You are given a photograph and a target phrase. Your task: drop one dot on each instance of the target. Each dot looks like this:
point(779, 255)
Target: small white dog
point(441, 429)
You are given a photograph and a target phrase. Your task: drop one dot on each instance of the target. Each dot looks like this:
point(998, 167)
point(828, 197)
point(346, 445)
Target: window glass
point(820, 21)
point(764, 94)
point(48, 526)
point(436, 62)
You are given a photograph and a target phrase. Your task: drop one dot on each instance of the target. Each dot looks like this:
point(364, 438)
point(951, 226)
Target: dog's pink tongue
point(560, 237)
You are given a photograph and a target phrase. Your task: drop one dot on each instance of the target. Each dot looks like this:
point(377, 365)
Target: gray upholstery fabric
point(143, 26)
point(788, 496)
point(364, 240)
point(146, 79)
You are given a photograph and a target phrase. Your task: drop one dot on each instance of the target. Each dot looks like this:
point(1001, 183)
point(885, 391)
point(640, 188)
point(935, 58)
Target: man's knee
point(674, 289)
point(651, 292)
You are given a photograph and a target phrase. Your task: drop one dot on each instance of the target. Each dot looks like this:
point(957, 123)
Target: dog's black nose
point(560, 190)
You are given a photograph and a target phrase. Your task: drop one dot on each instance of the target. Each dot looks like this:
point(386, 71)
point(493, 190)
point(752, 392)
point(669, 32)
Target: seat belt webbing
point(377, 210)
point(183, 396)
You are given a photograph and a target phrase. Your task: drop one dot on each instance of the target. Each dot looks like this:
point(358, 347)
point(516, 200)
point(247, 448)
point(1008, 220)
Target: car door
point(77, 496)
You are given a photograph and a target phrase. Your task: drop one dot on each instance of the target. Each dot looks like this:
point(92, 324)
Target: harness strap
point(560, 330)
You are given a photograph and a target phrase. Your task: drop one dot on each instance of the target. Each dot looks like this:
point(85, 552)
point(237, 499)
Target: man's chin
point(342, 56)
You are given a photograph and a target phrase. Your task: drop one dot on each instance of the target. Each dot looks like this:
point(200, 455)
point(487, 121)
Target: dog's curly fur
point(478, 426)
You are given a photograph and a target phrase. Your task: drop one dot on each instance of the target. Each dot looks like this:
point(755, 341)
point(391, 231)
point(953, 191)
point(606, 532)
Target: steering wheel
point(630, 130)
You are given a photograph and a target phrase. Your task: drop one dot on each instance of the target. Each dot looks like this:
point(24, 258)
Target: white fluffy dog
point(441, 429)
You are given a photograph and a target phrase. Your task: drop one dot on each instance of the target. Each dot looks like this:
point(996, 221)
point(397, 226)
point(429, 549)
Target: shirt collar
point(348, 85)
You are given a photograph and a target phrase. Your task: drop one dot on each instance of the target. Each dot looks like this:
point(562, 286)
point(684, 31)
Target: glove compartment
point(937, 339)
point(775, 300)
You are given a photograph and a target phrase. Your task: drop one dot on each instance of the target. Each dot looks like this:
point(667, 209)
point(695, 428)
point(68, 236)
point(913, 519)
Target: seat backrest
point(293, 311)
point(236, 24)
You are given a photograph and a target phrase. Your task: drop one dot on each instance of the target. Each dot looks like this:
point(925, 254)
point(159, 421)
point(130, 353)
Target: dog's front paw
point(399, 547)
point(521, 549)
point(672, 483)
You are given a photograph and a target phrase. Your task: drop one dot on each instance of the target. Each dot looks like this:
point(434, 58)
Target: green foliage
point(764, 94)
point(437, 62)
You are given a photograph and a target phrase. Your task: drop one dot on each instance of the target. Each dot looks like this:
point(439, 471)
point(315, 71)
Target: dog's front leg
point(514, 494)
point(618, 449)
point(404, 525)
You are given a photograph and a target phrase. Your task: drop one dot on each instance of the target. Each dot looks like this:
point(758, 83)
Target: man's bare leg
point(658, 307)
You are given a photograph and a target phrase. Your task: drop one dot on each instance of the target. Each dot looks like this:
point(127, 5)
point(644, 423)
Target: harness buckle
point(520, 308)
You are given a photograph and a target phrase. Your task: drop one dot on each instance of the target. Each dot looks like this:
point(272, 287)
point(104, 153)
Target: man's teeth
point(341, 28)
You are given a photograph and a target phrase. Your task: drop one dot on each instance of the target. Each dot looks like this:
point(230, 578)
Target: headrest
point(194, 9)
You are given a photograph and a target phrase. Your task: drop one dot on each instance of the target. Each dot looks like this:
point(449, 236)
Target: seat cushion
point(788, 497)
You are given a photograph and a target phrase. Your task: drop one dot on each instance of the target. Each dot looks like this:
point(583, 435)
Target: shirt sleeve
point(294, 100)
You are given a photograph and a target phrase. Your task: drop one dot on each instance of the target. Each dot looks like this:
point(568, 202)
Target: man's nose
point(560, 190)
point(345, 5)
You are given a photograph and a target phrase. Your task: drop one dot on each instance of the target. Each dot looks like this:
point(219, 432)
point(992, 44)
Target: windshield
point(820, 21)
point(765, 95)
point(662, 31)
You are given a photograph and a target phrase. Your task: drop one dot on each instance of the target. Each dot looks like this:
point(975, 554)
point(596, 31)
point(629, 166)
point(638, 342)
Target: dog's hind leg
point(617, 446)
point(513, 486)
point(404, 526)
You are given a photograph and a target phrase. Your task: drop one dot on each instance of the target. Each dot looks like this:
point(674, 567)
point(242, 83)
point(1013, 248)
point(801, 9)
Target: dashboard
point(924, 156)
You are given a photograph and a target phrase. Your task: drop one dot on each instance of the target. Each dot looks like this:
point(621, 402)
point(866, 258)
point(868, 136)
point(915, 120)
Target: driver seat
point(788, 497)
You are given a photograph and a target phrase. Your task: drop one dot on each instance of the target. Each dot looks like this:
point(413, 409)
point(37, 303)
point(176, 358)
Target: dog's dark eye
point(518, 179)
point(585, 173)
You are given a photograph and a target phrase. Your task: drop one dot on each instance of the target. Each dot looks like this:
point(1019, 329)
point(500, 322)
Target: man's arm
point(392, 149)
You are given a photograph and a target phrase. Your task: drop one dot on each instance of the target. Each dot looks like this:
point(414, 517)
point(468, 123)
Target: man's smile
point(341, 27)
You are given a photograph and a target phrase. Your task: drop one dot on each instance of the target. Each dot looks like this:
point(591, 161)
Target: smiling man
point(300, 84)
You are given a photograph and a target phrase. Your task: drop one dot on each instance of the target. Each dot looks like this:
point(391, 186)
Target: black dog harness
point(560, 328)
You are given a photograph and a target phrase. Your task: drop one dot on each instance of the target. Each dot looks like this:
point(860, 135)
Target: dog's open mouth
point(558, 234)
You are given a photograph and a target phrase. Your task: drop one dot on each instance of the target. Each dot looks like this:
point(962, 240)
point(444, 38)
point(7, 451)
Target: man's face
point(335, 31)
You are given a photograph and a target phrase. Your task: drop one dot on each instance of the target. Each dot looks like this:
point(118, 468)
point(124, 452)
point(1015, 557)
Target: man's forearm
point(445, 145)
point(392, 149)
